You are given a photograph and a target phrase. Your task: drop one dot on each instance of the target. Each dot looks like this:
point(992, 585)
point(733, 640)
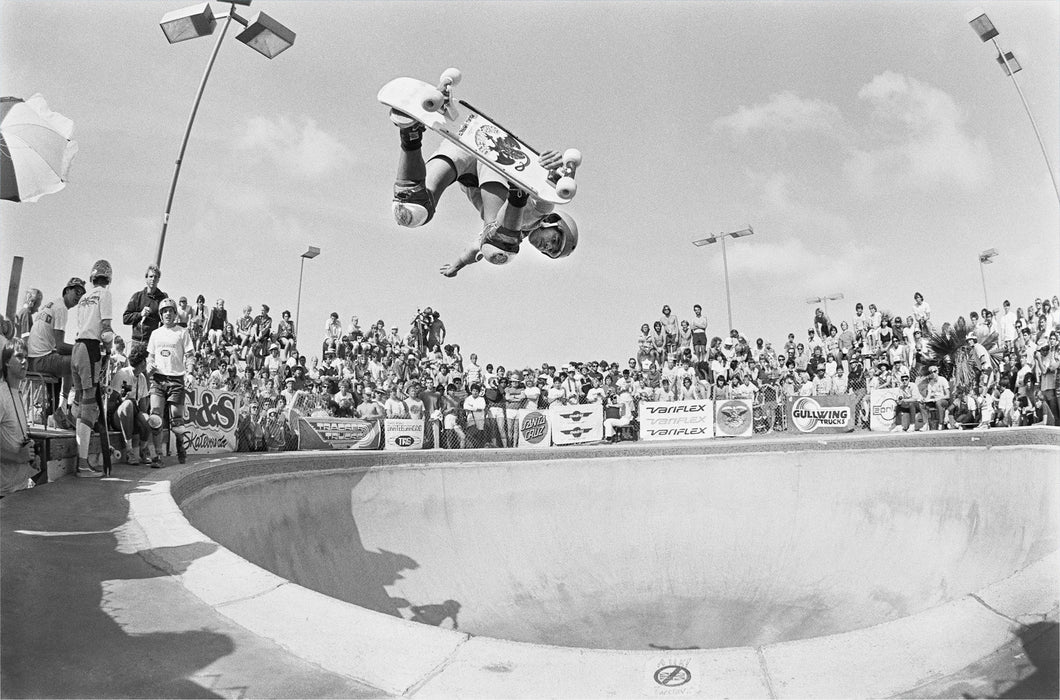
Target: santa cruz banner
point(676, 420)
point(822, 414)
point(535, 428)
point(212, 416)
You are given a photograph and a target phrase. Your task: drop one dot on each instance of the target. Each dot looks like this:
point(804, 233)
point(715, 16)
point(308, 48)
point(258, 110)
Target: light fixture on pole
point(988, 32)
point(985, 258)
point(825, 299)
point(261, 33)
point(725, 260)
point(308, 255)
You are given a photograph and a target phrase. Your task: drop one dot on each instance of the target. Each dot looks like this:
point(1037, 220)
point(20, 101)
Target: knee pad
point(413, 203)
point(499, 244)
point(88, 414)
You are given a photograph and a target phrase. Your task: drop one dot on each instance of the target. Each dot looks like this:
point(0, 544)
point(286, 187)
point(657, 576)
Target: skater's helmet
point(101, 268)
point(166, 303)
point(564, 222)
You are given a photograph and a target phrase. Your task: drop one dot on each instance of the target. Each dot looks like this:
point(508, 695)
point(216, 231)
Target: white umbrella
point(35, 149)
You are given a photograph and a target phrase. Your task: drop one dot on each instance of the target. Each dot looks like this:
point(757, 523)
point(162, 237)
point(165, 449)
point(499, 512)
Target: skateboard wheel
point(433, 101)
point(451, 76)
point(566, 187)
point(572, 156)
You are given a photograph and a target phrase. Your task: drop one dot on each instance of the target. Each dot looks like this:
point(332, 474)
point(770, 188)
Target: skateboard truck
point(563, 176)
point(441, 100)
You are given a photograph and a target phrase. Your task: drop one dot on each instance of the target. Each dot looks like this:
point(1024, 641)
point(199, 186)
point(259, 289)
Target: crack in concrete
point(434, 672)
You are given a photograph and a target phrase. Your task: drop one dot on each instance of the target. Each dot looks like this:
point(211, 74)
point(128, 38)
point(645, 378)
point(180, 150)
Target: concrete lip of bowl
point(407, 658)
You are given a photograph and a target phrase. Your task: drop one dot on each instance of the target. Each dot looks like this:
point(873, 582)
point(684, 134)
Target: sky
point(874, 147)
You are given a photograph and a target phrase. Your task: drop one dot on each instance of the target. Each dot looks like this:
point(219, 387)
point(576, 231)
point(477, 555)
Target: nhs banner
point(883, 408)
point(403, 434)
point(822, 414)
point(535, 428)
point(575, 425)
point(676, 420)
point(734, 418)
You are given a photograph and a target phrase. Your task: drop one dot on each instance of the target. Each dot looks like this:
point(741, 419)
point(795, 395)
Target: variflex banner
point(676, 420)
point(338, 434)
point(535, 428)
point(212, 417)
point(822, 414)
point(883, 408)
point(572, 425)
point(734, 418)
point(403, 434)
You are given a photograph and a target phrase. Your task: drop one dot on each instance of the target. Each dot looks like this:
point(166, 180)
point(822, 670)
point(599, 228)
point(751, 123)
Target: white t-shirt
point(92, 310)
point(50, 317)
point(137, 383)
point(167, 349)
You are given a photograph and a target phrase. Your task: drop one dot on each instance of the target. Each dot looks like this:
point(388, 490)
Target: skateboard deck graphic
point(480, 136)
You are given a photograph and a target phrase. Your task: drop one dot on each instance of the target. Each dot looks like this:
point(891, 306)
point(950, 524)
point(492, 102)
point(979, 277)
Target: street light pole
point(986, 30)
point(985, 258)
point(308, 255)
point(725, 260)
point(184, 141)
point(825, 299)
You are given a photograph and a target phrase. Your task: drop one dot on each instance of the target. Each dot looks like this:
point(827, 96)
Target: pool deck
point(106, 591)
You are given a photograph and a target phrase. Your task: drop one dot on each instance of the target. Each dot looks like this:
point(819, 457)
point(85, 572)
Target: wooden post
point(12, 288)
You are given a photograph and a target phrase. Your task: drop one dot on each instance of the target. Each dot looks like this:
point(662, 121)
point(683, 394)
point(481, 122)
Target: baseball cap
point(75, 282)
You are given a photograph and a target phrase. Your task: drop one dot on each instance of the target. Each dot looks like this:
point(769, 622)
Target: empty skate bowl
point(781, 568)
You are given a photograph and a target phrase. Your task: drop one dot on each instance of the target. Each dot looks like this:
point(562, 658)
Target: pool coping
point(410, 659)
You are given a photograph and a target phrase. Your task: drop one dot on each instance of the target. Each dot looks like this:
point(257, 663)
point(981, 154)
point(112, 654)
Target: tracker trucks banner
point(676, 420)
point(338, 434)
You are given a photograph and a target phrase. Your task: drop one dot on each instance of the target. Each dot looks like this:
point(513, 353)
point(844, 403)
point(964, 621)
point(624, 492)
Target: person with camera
point(129, 407)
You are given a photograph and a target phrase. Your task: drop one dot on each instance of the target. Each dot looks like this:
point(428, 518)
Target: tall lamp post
point(988, 32)
point(985, 258)
point(308, 255)
point(825, 299)
point(725, 260)
point(261, 33)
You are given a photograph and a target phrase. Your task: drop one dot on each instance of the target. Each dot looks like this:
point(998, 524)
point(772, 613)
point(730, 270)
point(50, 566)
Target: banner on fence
point(403, 434)
point(535, 428)
point(883, 408)
point(676, 420)
point(338, 434)
point(212, 417)
point(822, 414)
point(734, 418)
point(573, 425)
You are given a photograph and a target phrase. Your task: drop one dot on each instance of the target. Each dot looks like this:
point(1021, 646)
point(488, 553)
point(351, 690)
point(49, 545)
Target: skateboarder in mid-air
point(509, 214)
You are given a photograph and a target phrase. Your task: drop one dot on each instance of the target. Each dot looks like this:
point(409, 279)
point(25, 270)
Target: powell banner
point(734, 418)
point(403, 434)
point(212, 416)
point(883, 408)
point(574, 425)
point(676, 420)
point(822, 414)
point(338, 434)
point(535, 428)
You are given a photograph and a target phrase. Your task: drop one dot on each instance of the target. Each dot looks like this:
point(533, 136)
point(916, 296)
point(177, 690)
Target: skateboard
point(482, 137)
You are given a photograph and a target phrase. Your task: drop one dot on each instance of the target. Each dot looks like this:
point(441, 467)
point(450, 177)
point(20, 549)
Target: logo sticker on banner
point(212, 419)
point(822, 414)
point(734, 418)
point(676, 420)
point(534, 428)
point(403, 434)
point(338, 434)
point(883, 408)
point(577, 424)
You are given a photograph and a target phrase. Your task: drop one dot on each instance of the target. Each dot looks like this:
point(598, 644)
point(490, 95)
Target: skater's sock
point(411, 139)
point(517, 197)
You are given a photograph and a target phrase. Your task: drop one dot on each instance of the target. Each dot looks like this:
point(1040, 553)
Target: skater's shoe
point(86, 470)
point(156, 462)
point(130, 457)
point(182, 455)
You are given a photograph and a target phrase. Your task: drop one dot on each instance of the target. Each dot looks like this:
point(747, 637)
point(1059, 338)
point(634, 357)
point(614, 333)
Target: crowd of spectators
point(412, 370)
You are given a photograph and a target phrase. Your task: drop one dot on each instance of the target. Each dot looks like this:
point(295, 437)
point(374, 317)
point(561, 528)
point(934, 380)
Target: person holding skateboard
point(94, 336)
point(509, 214)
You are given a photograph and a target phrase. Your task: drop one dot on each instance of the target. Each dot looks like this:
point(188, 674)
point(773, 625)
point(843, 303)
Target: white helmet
point(567, 227)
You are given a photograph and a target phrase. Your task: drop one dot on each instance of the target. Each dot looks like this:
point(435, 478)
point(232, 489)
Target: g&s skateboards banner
point(212, 417)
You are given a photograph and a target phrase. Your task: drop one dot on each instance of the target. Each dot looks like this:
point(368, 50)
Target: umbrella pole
point(187, 133)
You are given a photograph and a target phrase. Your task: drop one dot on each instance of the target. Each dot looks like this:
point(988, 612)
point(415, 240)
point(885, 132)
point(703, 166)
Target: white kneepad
point(410, 215)
point(492, 254)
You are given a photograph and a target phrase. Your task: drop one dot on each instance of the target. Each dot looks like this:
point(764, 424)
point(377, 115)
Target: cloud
point(785, 112)
point(300, 148)
point(789, 265)
point(919, 138)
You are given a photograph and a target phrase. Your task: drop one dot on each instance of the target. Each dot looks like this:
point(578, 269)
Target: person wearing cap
point(94, 335)
point(47, 349)
point(168, 350)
